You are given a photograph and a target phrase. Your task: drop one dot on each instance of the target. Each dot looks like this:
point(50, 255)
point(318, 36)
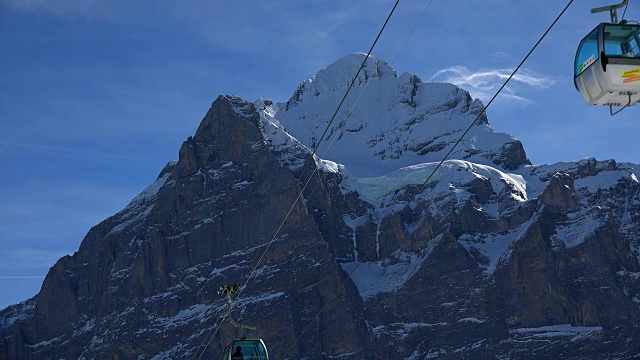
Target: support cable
point(422, 187)
point(342, 124)
point(311, 157)
point(625, 11)
point(309, 161)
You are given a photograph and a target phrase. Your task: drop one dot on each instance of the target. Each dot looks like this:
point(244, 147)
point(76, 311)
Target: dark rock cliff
point(475, 266)
point(146, 279)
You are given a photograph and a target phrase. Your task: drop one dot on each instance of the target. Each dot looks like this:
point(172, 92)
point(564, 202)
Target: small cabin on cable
point(246, 349)
point(607, 65)
point(241, 348)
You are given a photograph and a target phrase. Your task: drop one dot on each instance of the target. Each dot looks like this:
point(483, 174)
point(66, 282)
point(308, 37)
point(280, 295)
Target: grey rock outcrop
point(145, 279)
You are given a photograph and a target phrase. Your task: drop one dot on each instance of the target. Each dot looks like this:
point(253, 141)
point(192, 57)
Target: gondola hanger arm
point(612, 9)
point(228, 291)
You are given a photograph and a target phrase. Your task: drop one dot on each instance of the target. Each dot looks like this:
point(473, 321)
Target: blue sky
point(97, 96)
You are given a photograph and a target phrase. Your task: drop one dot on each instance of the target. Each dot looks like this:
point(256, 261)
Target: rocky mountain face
point(351, 255)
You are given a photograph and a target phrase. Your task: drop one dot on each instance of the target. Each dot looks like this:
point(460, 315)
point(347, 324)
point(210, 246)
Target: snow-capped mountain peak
point(338, 76)
point(388, 122)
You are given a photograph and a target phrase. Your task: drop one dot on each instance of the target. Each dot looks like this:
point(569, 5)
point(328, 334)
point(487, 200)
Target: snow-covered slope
point(399, 121)
point(389, 136)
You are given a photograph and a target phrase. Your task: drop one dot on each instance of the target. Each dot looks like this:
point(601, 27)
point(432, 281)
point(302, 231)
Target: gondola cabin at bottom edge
point(246, 349)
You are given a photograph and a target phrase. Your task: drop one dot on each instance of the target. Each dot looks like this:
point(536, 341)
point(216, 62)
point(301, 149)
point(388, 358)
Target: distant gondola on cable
point(242, 348)
point(607, 64)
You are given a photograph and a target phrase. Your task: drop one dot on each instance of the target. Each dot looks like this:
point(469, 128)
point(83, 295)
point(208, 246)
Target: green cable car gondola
point(607, 63)
point(241, 348)
point(246, 349)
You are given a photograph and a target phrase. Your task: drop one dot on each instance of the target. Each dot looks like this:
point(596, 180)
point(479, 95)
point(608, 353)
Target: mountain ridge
point(494, 257)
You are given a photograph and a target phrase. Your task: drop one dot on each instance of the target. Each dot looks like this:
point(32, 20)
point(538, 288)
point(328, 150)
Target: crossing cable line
point(424, 184)
point(307, 163)
point(311, 157)
point(358, 99)
point(342, 124)
point(210, 336)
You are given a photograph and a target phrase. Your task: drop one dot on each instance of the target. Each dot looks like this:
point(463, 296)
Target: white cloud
point(501, 57)
point(483, 84)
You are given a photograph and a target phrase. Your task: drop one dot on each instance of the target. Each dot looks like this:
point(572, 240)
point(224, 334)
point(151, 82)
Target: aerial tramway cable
point(424, 184)
point(310, 160)
point(343, 123)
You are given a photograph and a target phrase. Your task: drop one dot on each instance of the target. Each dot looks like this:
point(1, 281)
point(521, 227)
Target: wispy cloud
point(501, 57)
point(483, 84)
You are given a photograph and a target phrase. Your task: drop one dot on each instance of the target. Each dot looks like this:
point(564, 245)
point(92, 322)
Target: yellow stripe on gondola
point(630, 72)
point(631, 75)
